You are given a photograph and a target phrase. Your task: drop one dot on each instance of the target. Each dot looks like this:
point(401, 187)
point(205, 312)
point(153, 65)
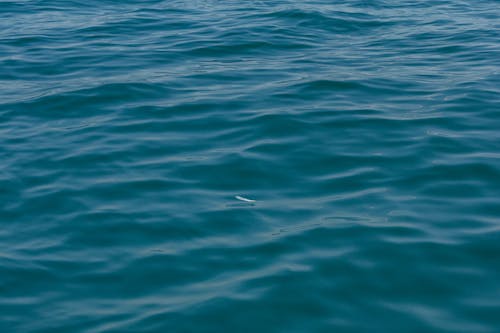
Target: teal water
point(366, 131)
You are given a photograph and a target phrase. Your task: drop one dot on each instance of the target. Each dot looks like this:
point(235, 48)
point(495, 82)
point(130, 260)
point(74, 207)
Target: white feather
point(244, 199)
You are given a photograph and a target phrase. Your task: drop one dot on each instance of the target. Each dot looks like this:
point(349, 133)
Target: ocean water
point(362, 138)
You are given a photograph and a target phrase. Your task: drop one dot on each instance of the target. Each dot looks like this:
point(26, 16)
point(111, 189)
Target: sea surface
point(249, 166)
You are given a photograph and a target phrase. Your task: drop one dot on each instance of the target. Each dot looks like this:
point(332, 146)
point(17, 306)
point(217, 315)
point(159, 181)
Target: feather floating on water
point(244, 199)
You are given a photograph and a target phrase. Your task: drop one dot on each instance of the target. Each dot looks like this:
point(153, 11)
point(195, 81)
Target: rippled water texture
point(366, 131)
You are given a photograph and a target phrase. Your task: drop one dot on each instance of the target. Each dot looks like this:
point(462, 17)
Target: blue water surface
point(366, 131)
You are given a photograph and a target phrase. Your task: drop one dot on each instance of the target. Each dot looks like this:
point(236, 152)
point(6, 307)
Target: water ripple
point(366, 132)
